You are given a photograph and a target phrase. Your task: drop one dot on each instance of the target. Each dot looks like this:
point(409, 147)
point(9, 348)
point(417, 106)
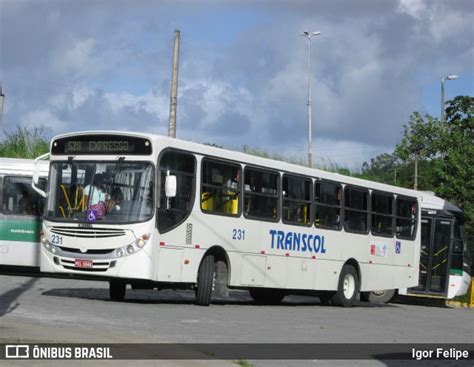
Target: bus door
point(434, 256)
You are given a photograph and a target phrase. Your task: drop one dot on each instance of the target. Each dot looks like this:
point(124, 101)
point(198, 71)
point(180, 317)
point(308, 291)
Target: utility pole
point(174, 87)
point(308, 35)
point(415, 184)
point(2, 99)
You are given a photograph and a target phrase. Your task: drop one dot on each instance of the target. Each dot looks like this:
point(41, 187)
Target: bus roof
point(245, 158)
point(430, 201)
point(20, 165)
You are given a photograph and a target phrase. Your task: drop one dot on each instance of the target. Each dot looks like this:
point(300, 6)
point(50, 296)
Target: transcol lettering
point(294, 241)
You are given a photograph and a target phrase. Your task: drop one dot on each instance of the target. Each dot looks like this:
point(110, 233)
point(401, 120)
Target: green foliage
point(445, 157)
point(24, 143)
point(455, 167)
point(419, 138)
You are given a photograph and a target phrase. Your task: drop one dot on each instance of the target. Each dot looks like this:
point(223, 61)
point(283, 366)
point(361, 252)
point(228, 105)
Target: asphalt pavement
point(37, 309)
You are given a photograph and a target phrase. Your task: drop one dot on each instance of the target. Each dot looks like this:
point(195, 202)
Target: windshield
point(100, 192)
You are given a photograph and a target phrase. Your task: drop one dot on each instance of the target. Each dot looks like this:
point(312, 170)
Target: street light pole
point(449, 77)
point(309, 103)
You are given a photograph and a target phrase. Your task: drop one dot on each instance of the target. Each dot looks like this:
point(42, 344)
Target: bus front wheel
point(205, 281)
point(117, 289)
point(347, 288)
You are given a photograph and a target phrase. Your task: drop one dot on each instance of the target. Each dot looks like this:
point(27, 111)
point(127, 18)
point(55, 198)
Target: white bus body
point(166, 244)
point(445, 263)
point(20, 212)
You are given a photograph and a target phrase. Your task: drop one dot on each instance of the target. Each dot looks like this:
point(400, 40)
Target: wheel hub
point(349, 286)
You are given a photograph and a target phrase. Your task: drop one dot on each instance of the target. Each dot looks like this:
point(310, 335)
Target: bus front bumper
point(134, 266)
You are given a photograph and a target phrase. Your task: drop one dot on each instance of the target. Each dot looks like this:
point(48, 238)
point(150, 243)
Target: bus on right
point(445, 261)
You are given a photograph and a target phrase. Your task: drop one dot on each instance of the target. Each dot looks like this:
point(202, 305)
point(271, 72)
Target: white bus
point(445, 262)
point(21, 209)
point(156, 212)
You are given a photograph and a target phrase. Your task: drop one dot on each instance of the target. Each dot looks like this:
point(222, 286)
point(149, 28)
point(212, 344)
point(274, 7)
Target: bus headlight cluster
point(48, 245)
point(133, 247)
point(43, 239)
point(142, 240)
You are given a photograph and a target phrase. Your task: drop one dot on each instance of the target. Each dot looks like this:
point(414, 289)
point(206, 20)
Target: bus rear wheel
point(205, 281)
point(117, 289)
point(347, 287)
point(265, 296)
point(378, 297)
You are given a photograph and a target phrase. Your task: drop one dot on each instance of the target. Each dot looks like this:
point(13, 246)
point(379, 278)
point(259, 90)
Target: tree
point(441, 156)
point(455, 169)
point(24, 144)
point(419, 144)
point(383, 168)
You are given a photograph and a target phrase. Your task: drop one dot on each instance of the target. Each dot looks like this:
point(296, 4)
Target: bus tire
point(347, 287)
point(265, 296)
point(117, 289)
point(205, 281)
point(378, 297)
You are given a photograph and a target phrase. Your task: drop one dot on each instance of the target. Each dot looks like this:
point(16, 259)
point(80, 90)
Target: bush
point(24, 143)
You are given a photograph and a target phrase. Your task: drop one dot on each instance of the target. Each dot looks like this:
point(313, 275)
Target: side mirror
point(170, 186)
point(36, 177)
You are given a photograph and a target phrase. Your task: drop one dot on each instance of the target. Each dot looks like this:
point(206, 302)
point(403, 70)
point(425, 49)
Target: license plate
point(83, 263)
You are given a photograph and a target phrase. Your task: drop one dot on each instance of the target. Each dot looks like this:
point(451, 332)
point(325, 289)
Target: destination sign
point(102, 145)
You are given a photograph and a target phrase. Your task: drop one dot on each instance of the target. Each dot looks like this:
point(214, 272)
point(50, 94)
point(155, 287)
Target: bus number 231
point(238, 234)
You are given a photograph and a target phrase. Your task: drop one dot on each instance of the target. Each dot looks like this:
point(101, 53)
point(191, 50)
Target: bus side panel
point(377, 276)
point(325, 276)
point(19, 253)
point(273, 278)
point(170, 262)
point(19, 239)
point(300, 273)
point(191, 260)
point(235, 259)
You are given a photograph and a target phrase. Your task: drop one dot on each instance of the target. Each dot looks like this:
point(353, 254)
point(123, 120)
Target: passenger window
point(261, 194)
point(355, 211)
point(296, 200)
point(382, 214)
point(220, 188)
point(327, 198)
point(19, 198)
point(173, 211)
point(407, 210)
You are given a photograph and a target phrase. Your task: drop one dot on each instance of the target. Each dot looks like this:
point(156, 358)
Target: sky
point(243, 80)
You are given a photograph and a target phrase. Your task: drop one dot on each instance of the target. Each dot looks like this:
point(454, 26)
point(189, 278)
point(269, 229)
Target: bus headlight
point(142, 240)
point(43, 239)
point(133, 247)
